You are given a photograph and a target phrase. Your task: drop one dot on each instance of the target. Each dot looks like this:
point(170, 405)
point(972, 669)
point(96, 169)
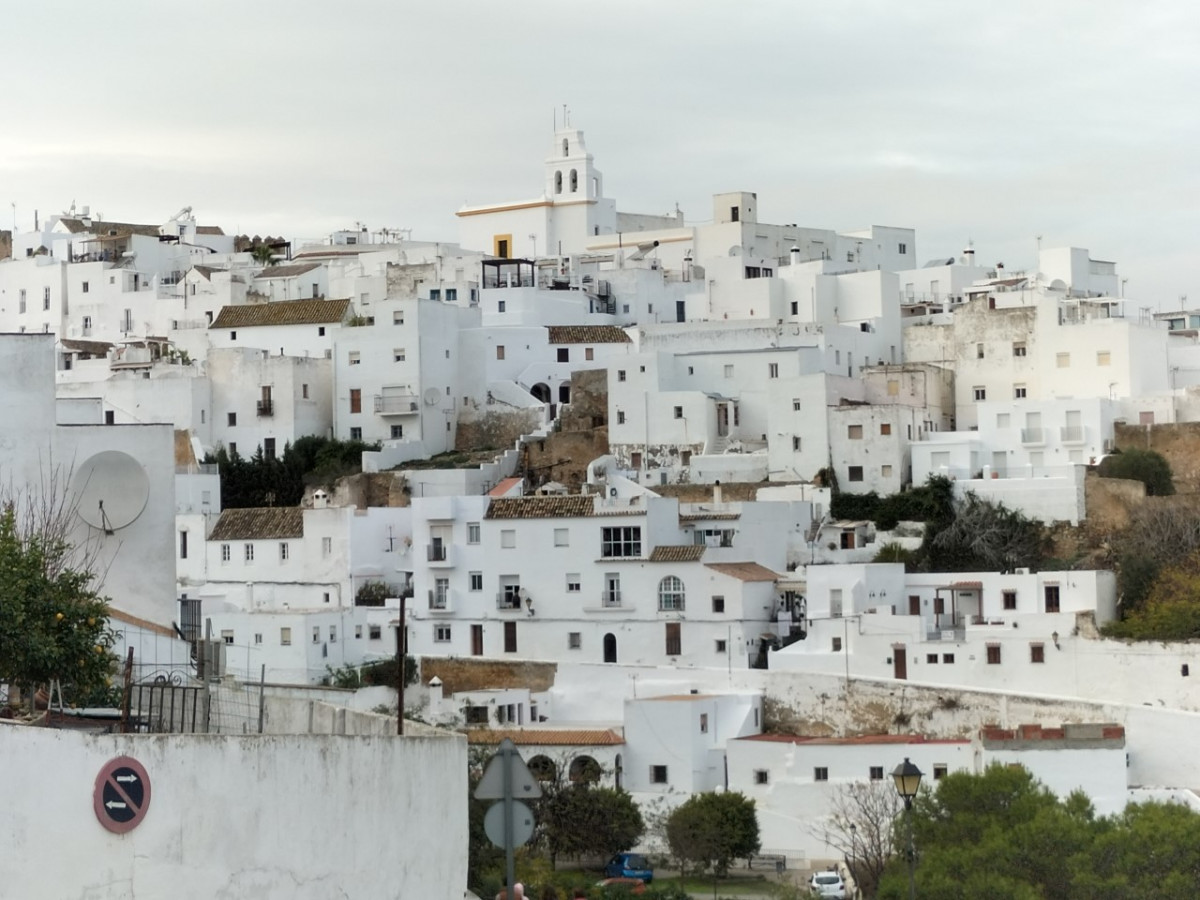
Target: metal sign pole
point(507, 750)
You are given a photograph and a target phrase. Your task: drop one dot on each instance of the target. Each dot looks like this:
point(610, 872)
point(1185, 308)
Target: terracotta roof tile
point(587, 334)
point(575, 737)
point(263, 523)
point(144, 624)
point(677, 552)
point(282, 312)
point(99, 347)
point(744, 571)
point(285, 271)
point(209, 229)
point(548, 507)
point(848, 741)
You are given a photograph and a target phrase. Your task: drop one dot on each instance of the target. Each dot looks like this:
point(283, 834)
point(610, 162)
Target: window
point(510, 637)
point(231, 418)
point(773, 370)
point(499, 351)
point(226, 554)
point(620, 541)
point(320, 331)
point(620, 374)
point(1019, 392)
point(1018, 348)
point(508, 539)
point(333, 634)
point(674, 640)
point(477, 715)
point(397, 317)
point(1063, 360)
point(227, 635)
point(472, 532)
point(729, 371)
point(501, 306)
point(718, 604)
point(435, 294)
point(46, 301)
point(876, 773)
point(670, 594)
point(721, 646)
point(475, 581)
point(396, 432)
point(574, 640)
point(1010, 599)
point(356, 433)
point(269, 448)
point(854, 473)
point(398, 354)
point(283, 551)
point(248, 552)
point(1037, 653)
point(326, 546)
point(22, 305)
point(358, 632)
point(795, 404)
point(451, 295)
point(903, 249)
point(85, 287)
point(316, 634)
point(761, 776)
point(836, 645)
point(355, 400)
point(1103, 358)
point(564, 354)
point(258, 635)
point(1052, 598)
point(304, 391)
point(940, 770)
point(285, 637)
point(679, 412)
point(979, 392)
point(374, 632)
point(658, 774)
point(183, 544)
point(931, 658)
point(885, 471)
point(562, 537)
point(854, 432)
point(354, 358)
point(441, 634)
point(979, 351)
point(620, 417)
point(993, 654)
point(796, 443)
point(947, 659)
point(820, 773)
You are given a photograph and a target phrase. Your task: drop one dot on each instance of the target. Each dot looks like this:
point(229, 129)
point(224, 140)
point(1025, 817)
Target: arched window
point(574, 181)
point(670, 593)
point(610, 648)
point(558, 182)
point(566, 147)
point(543, 768)
point(584, 769)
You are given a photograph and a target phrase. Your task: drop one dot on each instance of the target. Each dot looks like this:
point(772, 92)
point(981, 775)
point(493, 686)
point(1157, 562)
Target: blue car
point(629, 865)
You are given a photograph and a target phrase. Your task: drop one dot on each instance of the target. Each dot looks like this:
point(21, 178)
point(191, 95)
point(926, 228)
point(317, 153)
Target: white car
point(827, 884)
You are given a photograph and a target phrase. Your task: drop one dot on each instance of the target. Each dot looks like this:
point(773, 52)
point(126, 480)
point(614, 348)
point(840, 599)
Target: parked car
point(827, 884)
point(634, 885)
point(629, 865)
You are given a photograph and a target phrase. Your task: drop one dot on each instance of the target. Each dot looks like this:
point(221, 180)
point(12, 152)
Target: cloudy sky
point(1075, 120)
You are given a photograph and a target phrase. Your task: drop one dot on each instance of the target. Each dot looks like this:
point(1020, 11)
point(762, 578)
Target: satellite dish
point(111, 489)
point(432, 395)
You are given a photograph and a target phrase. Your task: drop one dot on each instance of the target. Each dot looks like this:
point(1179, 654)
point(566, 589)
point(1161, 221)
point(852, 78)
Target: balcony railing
point(1033, 436)
point(396, 404)
point(610, 598)
point(1073, 434)
point(266, 407)
point(435, 552)
point(439, 600)
point(508, 600)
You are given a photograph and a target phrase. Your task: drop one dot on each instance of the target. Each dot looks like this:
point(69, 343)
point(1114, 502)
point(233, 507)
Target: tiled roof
point(282, 312)
point(540, 507)
point(101, 347)
point(144, 624)
point(587, 334)
point(207, 271)
point(102, 229)
point(677, 552)
point(209, 229)
point(575, 737)
point(263, 523)
point(504, 486)
point(744, 571)
point(850, 741)
point(286, 271)
point(676, 698)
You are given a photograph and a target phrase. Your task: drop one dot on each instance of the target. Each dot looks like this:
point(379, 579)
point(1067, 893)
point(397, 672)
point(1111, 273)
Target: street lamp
point(908, 780)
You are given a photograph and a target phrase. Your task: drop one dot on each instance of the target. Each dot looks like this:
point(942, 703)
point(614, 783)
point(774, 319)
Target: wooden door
point(900, 663)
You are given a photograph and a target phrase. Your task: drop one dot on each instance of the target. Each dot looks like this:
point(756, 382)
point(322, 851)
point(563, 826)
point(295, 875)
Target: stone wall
point(1179, 444)
point(1110, 500)
point(494, 429)
point(5, 244)
point(458, 674)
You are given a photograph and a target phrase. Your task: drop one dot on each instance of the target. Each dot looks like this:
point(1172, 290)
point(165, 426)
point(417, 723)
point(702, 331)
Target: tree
point(712, 830)
point(581, 819)
point(263, 254)
point(1146, 466)
point(53, 623)
point(983, 535)
point(1159, 534)
point(862, 828)
point(1170, 610)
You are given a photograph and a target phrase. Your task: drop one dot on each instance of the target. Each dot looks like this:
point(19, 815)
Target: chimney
point(717, 492)
point(320, 499)
point(795, 255)
point(435, 697)
point(969, 256)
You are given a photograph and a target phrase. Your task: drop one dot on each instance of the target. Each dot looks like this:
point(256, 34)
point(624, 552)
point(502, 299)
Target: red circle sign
point(122, 794)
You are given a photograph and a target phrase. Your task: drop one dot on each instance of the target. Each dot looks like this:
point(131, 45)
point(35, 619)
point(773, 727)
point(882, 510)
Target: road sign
point(491, 785)
point(122, 794)
point(522, 823)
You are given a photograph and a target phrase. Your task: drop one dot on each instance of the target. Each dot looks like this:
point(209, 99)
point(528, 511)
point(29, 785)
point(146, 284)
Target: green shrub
point(1146, 466)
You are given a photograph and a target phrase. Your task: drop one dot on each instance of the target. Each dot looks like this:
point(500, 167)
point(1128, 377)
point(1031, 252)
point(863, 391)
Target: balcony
point(396, 404)
point(610, 599)
point(265, 408)
point(439, 601)
point(1073, 434)
point(437, 553)
point(509, 599)
point(1033, 437)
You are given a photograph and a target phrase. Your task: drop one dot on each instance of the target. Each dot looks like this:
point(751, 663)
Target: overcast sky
point(1076, 120)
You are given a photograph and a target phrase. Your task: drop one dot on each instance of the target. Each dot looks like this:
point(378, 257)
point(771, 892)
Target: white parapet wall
point(294, 817)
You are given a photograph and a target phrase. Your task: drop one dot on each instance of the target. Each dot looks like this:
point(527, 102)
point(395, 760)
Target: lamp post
point(908, 780)
point(853, 854)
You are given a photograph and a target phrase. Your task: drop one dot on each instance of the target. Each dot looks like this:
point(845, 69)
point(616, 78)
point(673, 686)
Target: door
point(914, 605)
point(680, 313)
point(477, 640)
point(722, 419)
point(899, 663)
point(610, 648)
point(510, 637)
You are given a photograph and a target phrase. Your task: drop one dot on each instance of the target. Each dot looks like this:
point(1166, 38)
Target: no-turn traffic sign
point(122, 794)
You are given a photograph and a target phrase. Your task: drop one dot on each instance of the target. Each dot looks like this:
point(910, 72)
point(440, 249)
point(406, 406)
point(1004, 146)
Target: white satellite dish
point(432, 395)
point(111, 490)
